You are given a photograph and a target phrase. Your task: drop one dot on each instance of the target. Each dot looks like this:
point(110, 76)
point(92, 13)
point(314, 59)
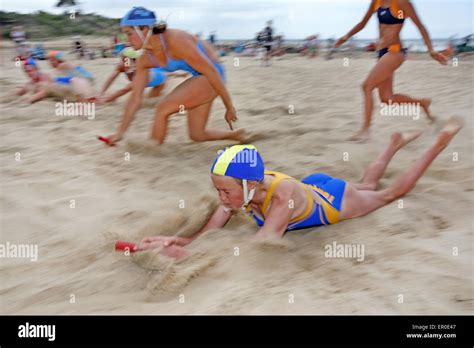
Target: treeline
point(43, 25)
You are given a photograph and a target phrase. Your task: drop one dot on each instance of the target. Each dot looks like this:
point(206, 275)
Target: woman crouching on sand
point(172, 50)
point(280, 203)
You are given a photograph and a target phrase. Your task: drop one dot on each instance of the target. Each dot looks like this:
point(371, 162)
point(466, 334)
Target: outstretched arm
point(409, 11)
point(218, 219)
point(110, 80)
point(119, 93)
point(132, 105)
point(361, 25)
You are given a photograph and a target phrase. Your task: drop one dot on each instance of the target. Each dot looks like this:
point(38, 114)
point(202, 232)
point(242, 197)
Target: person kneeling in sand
point(280, 203)
point(156, 78)
point(73, 82)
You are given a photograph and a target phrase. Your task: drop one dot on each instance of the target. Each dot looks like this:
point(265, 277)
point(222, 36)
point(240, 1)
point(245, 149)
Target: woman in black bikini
point(391, 15)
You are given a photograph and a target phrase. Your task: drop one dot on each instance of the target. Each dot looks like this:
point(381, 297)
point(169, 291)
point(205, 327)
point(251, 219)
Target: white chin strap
point(248, 195)
point(143, 38)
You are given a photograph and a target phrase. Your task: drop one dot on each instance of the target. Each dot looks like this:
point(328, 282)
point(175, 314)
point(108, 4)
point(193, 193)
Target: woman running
point(156, 78)
point(172, 50)
point(280, 203)
point(391, 15)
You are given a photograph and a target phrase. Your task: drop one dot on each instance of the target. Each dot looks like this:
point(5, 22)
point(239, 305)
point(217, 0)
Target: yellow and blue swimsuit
point(389, 16)
point(330, 190)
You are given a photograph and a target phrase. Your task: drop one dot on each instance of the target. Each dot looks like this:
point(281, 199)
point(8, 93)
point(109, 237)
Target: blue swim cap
point(31, 61)
point(241, 162)
point(138, 16)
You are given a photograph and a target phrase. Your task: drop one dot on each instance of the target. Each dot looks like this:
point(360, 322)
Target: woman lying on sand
point(279, 203)
point(156, 77)
point(37, 83)
point(391, 15)
point(173, 50)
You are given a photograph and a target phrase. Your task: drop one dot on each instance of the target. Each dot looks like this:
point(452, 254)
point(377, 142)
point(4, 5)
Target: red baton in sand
point(105, 140)
point(122, 245)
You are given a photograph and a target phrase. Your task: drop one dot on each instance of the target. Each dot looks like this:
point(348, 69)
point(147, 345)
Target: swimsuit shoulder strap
point(165, 48)
point(278, 178)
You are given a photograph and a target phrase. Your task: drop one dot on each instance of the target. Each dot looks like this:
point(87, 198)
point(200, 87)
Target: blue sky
point(294, 18)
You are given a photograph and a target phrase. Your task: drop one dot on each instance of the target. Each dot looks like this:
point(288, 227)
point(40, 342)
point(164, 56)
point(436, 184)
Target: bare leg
point(382, 71)
point(189, 95)
point(425, 103)
point(156, 91)
point(406, 182)
point(197, 120)
point(361, 202)
point(377, 168)
point(387, 96)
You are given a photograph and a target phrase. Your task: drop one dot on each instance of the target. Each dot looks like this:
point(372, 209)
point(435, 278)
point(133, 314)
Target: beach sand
point(167, 190)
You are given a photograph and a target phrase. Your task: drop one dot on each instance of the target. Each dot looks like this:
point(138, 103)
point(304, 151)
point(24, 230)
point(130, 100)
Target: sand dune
point(408, 251)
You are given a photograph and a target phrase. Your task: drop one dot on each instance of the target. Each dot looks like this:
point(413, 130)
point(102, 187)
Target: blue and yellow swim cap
point(241, 162)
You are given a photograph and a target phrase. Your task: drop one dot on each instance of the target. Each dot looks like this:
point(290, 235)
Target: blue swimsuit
point(78, 71)
point(157, 77)
point(175, 64)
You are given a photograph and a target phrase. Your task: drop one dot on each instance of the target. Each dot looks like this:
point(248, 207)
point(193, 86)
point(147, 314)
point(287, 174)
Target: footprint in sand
point(440, 223)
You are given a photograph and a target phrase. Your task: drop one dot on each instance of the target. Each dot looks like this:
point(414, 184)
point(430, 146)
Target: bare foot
point(361, 135)
point(238, 135)
point(399, 140)
point(449, 130)
point(425, 104)
point(251, 137)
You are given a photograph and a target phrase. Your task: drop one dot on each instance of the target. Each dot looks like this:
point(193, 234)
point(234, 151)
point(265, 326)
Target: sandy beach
point(67, 193)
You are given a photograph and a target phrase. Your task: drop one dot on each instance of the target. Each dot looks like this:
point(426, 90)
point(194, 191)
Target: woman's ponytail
point(159, 28)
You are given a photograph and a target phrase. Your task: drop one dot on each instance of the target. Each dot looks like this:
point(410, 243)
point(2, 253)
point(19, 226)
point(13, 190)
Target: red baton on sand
point(105, 140)
point(122, 245)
